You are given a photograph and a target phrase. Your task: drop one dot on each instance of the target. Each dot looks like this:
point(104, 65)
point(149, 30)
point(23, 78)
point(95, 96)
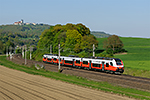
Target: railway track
point(121, 80)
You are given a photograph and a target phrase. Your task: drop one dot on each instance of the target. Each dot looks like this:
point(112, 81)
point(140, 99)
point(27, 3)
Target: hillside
point(24, 29)
point(98, 34)
point(137, 59)
point(22, 34)
point(29, 34)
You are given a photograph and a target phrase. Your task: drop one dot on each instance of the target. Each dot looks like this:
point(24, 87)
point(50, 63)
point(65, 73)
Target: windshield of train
point(118, 61)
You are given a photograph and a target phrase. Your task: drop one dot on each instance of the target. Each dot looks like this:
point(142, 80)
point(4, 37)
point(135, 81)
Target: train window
point(111, 63)
point(44, 57)
point(107, 65)
point(55, 59)
point(67, 61)
point(49, 59)
point(85, 62)
point(96, 65)
point(78, 61)
point(118, 61)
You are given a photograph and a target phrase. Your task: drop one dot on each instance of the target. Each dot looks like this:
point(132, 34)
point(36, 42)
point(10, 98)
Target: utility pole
point(10, 48)
point(31, 49)
point(93, 50)
point(23, 52)
point(59, 56)
point(7, 51)
point(50, 49)
point(25, 55)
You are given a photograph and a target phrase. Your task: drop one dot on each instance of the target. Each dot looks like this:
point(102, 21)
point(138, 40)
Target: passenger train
point(96, 63)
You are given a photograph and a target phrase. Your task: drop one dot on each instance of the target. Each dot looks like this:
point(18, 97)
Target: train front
point(119, 65)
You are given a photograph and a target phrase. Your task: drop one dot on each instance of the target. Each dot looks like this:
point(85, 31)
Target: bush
point(84, 54)
point(104, 54)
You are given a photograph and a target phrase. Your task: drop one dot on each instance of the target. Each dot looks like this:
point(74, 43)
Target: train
point(105, 64)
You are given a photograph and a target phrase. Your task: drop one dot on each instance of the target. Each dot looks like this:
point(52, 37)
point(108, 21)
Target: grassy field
point(137, 59)
point(102, 86)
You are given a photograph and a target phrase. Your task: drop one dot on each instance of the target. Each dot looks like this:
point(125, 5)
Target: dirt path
point(16, 85)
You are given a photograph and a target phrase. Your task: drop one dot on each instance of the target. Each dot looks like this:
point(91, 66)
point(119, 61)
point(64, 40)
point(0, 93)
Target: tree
point(87, 43)
point(1, 46)
point(113, 44)
point(73, 37)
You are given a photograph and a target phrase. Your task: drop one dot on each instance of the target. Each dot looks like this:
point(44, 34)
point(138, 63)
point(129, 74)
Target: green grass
point(103, 86)
point(137, 58)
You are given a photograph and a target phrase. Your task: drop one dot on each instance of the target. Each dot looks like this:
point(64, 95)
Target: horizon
point(129, 18)
point(90, 30)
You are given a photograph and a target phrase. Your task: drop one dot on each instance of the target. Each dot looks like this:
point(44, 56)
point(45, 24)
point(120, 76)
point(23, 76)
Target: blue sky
point(128, 18)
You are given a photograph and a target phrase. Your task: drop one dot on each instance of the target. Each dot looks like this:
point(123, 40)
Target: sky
point(126, 18)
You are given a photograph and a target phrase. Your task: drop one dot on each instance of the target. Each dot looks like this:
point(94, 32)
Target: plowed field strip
point(50, 86)
point(4, 96)
point(20, 84)
point(27, 90)
point(46, 86)
point(4, 89)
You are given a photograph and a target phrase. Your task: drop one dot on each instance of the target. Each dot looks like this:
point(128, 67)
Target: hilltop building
point(19, 22)
point(22, 23)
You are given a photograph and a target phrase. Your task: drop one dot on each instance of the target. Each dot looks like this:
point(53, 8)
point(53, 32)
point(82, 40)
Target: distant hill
point(24, 29)
point(98, 34)
point(22, 34)
point(29, 34)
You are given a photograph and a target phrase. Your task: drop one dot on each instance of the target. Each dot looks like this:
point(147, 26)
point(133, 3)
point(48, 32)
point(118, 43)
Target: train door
point(73, 63)
point(52, 60)
point(90, 64)
point(63, 62)
point(81, 61)
point(103, 66)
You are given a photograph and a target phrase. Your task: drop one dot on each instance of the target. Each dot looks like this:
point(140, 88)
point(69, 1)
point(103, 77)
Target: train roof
point(105, 58)
point(91, 57)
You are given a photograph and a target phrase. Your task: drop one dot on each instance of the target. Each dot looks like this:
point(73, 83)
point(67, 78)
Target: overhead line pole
point(25, 55)
point(50, 49)
point(22, 51)
point(7, 51)
point(93, 50)
point(59, 56)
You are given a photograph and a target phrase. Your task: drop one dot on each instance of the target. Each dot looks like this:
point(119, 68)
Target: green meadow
point(137, 59)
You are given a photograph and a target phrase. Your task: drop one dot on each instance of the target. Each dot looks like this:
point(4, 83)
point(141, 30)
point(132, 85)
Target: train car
point(68, 61)
point(98, 63)
point(45, 57)
point(55, 59)
point(77, 62)
point(50, 59)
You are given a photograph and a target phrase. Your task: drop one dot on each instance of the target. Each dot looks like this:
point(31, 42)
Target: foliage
point(21, 34)
point(73, 39)
point(104, 54)
point(1, 46)
point(18, 50)
point(8, 46)
point(87, 43)
point(113, 44)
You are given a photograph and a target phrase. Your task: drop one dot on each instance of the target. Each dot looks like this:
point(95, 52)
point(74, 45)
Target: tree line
point(19, 35)
point(75, 39)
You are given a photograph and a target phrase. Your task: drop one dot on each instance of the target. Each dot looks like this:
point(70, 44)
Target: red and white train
point(97, 63)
